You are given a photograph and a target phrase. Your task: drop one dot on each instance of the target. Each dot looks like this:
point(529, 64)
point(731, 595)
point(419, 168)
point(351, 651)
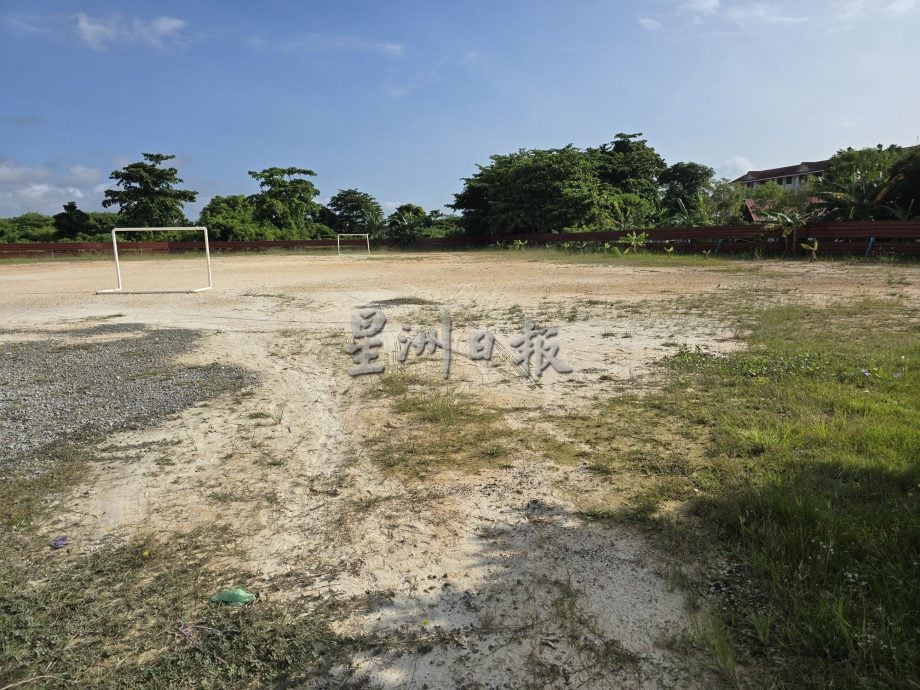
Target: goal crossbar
point(339, 236)
point(119, 289)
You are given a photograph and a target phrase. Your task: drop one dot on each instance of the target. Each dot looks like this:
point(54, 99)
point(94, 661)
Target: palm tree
point(857, 198)
point(898, 212)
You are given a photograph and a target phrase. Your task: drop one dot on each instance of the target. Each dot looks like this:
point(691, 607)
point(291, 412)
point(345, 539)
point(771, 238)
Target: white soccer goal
point(338, 240)
point(118, 284)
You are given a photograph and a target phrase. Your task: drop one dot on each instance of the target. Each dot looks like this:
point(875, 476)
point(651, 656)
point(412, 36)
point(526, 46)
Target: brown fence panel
point(855, 238)
point(887, 229)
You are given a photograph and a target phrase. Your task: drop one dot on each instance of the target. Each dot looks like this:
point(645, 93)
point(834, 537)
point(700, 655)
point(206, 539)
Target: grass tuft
point(434, 426)
point(809, 478)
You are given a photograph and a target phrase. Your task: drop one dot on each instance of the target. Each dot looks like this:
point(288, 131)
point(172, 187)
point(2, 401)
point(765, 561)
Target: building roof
point(804, 168)
point(753, 212)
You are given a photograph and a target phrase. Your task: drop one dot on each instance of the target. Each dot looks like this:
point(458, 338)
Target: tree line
point(624, 184)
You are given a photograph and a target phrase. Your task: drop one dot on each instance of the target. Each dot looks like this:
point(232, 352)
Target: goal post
point(338, 240)
point(119, 288)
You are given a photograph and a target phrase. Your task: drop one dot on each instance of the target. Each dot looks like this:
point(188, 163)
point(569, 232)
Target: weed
point(436, 427)
point(138, 614)
point(809, 475)
point(401, 302)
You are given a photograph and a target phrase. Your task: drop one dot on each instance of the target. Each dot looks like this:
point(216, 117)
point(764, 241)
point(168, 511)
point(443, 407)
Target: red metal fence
point(848, 238)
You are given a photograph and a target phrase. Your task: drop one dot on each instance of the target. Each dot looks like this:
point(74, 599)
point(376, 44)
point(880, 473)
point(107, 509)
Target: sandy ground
point(496, 568)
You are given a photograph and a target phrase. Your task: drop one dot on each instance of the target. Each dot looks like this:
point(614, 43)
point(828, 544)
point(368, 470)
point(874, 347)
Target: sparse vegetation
point(431, 428)
point(777, 472)
point(800, 457)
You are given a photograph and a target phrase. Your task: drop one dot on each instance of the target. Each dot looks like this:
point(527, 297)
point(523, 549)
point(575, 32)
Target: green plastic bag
point(234, 597)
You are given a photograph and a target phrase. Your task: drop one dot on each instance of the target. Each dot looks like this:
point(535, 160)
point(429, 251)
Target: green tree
point(904, 197)
point(6, 231)
point(725, 202)
point(686, 187)
point(147, 196)
point(629, 165)
point(693, 214)
point(567, 189)
point(232, 218)
point(286, 201)
point(869, 163)
point(629, 211)
point(533, 191)
point(770, 197)
point(73, 222)
point(441, 225)
point(31, 227)
point(870, 184)
point(355, 211)
point(855, 198)
point(407, 224)
point(102, 223)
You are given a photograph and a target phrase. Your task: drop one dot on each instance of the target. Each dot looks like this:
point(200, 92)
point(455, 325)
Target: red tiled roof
point(750, 206)
point(804, 168)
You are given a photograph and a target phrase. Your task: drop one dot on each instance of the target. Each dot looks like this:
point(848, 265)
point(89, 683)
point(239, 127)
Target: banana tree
point(813, 248)
point(635, 240)
point(692, 217)
point(788, 224)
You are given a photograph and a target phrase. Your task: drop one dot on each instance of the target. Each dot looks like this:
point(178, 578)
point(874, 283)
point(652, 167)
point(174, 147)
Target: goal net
point(119, 286)
point(353, 243)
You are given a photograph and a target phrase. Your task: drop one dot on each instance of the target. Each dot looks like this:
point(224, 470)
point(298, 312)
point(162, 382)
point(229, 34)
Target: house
point(788, 178)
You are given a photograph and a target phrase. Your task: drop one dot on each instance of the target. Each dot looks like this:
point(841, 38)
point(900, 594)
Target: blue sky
point(402, 99)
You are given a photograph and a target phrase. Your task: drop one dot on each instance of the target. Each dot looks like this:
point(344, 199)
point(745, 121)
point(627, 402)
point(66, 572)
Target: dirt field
point(494, 558)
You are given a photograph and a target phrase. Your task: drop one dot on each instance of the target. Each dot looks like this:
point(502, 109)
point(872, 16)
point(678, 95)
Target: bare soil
point(494, 570)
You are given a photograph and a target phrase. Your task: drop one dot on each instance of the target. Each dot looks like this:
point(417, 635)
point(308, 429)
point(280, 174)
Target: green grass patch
point(139, 615)
point(810, 483)
point(432, 426)
point(124, 614)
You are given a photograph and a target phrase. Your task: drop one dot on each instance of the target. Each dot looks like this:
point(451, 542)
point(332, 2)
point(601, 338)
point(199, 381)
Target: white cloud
point(15, 174)
point(39, 197)
point(703, 7)
point(160, 32)
point(25, 188)
point(320, 43)
point(761, 13)
point(100, 34)
point(650, 24)
point(392, 48)
point(82, 175)
point(734, 168)
point(28, 24)
point(901, 6)
point(854, 9)
point(746, 13)
point(97, 33)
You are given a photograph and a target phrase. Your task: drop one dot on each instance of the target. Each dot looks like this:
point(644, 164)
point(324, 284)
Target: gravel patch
point(71, 389)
